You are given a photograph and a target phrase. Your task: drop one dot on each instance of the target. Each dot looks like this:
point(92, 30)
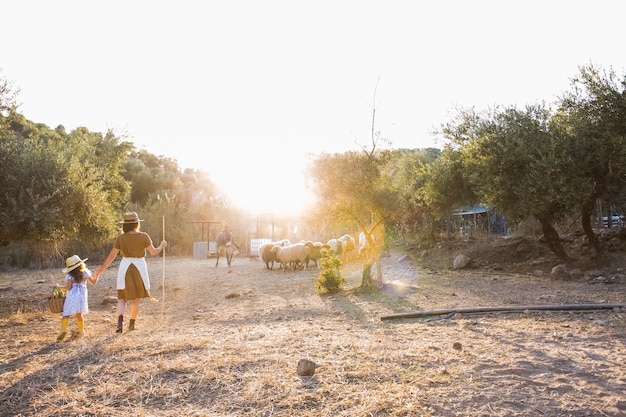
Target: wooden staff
point(163, 276)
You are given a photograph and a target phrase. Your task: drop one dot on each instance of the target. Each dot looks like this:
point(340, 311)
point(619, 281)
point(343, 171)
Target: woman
point(133, 282)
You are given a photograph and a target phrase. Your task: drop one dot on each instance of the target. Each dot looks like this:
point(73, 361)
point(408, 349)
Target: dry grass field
point(226, 342)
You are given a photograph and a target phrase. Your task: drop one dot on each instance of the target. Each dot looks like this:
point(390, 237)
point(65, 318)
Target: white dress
point(77, 297)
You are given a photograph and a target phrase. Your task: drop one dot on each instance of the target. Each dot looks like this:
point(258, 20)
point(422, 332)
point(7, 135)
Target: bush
point(329, 280)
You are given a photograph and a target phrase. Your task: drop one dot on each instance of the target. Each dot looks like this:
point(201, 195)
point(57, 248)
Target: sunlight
point(279, 190)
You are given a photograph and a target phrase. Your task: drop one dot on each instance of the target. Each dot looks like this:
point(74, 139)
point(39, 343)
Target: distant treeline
point(64, 192)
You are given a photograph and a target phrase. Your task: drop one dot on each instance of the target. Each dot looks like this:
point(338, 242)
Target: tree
point(349, 193)
point(352, 192)
point(446, 187)
point(516, 163)
point(58, 187)
point(8, 105)
point(405, 173)
point(593, 115)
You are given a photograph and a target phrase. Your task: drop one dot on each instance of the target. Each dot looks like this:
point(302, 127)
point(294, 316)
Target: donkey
point(225, 246)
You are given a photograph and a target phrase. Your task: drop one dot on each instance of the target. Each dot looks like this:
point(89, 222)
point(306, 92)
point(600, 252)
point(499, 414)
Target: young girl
point(76, 298)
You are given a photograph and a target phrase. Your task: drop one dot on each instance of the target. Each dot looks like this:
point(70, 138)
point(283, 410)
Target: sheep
point(336, 246)
point(364, 245)
point(348, 245)
point(290, 255)
point(267, 255)
point(315, 252)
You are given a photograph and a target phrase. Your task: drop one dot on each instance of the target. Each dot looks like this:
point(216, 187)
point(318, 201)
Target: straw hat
point(72, 263)
point(131, 217)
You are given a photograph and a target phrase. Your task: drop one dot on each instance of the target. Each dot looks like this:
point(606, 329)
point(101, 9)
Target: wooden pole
point(163, 276)
point(504, 309)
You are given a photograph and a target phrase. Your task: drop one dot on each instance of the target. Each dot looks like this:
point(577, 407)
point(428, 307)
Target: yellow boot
point(63, 331)
point(81, 328)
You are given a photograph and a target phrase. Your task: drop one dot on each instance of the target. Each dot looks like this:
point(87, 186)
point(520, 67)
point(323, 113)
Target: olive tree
point(593, 115)
point(516, 164)
point(59, 187)
point(350, 190)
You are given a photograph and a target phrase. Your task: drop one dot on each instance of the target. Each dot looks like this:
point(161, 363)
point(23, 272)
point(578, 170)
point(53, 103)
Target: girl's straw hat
point(131, 217)
point(72, 263)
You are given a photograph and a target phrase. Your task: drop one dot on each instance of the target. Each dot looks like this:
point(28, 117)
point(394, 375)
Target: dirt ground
point(226, 341)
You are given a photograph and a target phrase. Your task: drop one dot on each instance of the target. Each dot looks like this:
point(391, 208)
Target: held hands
point(163, 245)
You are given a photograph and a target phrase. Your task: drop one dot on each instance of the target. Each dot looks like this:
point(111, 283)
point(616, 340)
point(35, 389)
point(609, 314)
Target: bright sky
point(244, 90)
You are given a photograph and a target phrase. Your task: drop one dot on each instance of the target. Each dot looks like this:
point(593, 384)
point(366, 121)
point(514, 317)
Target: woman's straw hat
point(131, 217)
point(72, 263)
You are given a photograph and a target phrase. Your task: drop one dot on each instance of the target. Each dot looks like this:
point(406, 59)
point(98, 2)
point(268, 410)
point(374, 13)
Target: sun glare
point(267, 191)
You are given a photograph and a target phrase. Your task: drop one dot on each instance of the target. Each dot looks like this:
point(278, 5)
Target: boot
point(131, 325)
point(63, 331)
point(81, 328)
point(120, 323)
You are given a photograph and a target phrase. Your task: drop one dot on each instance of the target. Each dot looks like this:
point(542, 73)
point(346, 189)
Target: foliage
point(353, 194)
point(162, 193)
point(65, 191)
point(593, 116)
point(329, 280)
point(517, 165)
point(345, 186)
point(8, 105)
point(150, 176)
point(57, 187)
point(430, 185)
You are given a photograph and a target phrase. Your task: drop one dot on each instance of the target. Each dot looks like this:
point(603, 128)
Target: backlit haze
point(245, 90)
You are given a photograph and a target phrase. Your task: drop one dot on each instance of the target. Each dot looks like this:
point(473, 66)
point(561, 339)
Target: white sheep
point(314, 252)
point(267, 255)
point(291, 255)
point(348, 245)
point(364, 246)
point(336, 246)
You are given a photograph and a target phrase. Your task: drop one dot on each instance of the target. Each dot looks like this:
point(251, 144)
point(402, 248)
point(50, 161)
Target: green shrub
point(329, 281)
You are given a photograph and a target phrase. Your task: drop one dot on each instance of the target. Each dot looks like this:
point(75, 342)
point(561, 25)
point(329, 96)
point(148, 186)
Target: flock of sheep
point(298, 255)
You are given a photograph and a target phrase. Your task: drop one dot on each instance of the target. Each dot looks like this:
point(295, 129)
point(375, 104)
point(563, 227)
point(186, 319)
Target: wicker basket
point(56, 304)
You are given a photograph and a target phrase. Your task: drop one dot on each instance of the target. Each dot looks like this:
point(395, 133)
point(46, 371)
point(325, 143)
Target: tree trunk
point(368, 283)
point(552, 238)
point(366, 279)
point(587, 212)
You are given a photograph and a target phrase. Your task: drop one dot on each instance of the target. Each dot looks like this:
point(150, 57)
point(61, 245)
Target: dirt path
point(226, 342)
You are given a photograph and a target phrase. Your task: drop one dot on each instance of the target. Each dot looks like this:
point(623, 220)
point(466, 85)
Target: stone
point(306, 367)
point(461, 261)
point(109, 300)
point(561, 272)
